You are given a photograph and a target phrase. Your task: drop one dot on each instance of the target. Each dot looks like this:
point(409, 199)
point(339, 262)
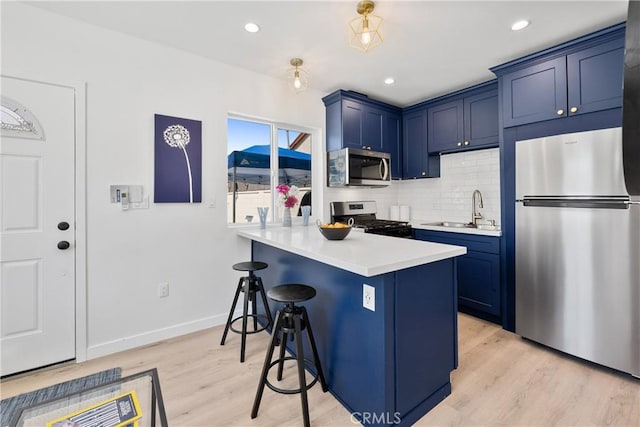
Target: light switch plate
point(117, 191)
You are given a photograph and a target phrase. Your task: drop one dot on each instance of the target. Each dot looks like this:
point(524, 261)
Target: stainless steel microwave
point(356, 167)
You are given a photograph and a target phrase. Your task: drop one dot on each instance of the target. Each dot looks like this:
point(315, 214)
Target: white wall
point(189, 246)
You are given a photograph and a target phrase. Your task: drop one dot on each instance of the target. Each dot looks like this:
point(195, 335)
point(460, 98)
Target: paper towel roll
point(394, 212)
point(405, 213)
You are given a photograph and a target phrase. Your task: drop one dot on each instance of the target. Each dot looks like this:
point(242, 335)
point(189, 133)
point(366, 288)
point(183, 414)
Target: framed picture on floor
point(178, 160)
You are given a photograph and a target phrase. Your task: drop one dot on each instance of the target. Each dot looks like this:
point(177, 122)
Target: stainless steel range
point(364, 216)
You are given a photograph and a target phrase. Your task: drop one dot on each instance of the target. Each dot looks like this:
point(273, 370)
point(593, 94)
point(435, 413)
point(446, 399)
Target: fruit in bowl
point(335, 231)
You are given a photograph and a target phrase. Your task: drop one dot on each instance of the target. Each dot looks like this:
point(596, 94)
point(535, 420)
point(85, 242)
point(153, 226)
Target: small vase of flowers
point(289, 200)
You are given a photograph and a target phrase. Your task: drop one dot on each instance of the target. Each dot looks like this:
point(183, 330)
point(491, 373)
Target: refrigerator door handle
point(588, 203)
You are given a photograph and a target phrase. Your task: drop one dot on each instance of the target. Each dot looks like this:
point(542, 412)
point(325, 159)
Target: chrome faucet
point(475, 215)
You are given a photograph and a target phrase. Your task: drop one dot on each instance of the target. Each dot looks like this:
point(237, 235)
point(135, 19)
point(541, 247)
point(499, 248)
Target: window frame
point(274, 125)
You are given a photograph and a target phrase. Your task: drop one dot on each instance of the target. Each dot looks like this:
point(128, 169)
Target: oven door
point(403, 232)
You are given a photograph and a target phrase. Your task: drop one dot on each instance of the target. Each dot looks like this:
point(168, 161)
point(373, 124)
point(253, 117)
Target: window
point(254, 150)
point(17, 121)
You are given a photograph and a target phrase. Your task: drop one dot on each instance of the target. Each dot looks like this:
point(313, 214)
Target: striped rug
point(11, 407)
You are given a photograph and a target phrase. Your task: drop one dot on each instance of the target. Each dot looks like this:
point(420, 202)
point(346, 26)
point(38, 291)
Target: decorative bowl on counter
point(337, 231)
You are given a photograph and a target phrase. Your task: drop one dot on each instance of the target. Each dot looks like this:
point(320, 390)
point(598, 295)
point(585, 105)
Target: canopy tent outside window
point(253, 166)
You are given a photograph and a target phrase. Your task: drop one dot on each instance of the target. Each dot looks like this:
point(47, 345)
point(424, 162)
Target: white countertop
point(422, 225)
point(361, 253)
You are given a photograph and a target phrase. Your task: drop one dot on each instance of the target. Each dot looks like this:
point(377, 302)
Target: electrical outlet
point(163, 290)
point(368, 297)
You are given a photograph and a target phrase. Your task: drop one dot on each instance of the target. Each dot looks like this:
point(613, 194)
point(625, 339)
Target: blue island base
point(389, 366)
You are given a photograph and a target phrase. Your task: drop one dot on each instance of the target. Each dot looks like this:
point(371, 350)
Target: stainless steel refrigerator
point(578, 248)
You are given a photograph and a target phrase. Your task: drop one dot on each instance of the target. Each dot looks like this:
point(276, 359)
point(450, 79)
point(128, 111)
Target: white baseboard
point(127, 343)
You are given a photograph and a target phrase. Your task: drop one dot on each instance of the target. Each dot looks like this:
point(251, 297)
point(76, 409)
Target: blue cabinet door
point(595, 78)
point(414, 147)
point(353, 117)
point(481, 120)
point(372, 129)
point(392, 142)
point(445, 124)
point(479, 282)
point(536, 93)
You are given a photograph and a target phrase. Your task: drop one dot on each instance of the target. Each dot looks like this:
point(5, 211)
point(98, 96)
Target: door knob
point(63, 225)
point(63, 244)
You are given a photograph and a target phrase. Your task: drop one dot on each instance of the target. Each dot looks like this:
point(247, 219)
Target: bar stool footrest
point(295, 390)
point(253, 331)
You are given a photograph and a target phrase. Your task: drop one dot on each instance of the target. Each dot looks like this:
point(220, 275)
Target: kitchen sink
point(452, 224)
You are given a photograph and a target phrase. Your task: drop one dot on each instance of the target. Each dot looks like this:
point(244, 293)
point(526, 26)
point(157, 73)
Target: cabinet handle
point(574, 109)
point(459, 144)
point(466, 143)
point(560, 112)
point(424, 174)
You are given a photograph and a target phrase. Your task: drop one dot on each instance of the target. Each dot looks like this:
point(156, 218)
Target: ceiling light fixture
point(252, 27)
point(520, 25)
point(389, 81)
point(364, 30)
point(297, 76)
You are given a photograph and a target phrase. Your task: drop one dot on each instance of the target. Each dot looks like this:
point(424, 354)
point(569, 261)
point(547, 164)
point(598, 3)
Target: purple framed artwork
point(178, 160)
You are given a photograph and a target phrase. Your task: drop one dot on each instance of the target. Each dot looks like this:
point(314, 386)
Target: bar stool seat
point(291, 320)
point(291, 293)
point(251, 285)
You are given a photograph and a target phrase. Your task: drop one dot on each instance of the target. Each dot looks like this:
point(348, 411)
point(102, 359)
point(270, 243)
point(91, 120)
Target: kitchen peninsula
point(389, 365)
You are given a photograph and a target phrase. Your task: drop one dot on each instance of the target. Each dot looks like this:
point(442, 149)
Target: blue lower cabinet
point(479, 282)
point(479, 286)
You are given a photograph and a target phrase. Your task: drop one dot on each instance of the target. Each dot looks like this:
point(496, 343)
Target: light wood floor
point(502, 380)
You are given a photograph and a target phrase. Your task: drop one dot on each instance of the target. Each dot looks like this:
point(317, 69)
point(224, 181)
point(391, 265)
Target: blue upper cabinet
point(353, 117)
point(357, 121)
point(465, 121)
point(481, 119)
point(416, 160)
point(536, 93)
point(392, 141)
point(445, 126)
point(372, 131)
point(595, 77)
point(581, 76)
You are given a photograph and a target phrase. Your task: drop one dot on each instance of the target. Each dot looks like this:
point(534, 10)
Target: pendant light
point(297, 76)
point(365, 29)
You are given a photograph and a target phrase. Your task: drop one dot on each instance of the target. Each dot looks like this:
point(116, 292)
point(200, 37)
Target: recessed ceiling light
point(520, 25)
point(389, 81)
point(252, 27)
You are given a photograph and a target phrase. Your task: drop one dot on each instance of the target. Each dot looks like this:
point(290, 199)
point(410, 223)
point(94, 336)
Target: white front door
point(37, 291)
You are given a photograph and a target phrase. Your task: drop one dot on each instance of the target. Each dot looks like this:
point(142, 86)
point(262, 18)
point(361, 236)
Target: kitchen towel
point(394, 212)
point(405, 213)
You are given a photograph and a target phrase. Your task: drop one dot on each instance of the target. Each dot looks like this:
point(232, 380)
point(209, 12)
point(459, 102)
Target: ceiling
point(430, 47)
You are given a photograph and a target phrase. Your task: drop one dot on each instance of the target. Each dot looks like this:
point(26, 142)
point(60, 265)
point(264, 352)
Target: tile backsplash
point(449, 197)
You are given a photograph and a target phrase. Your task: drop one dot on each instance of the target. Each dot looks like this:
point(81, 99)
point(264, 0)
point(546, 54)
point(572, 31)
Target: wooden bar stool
point(250, 285)
point(291, 321)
